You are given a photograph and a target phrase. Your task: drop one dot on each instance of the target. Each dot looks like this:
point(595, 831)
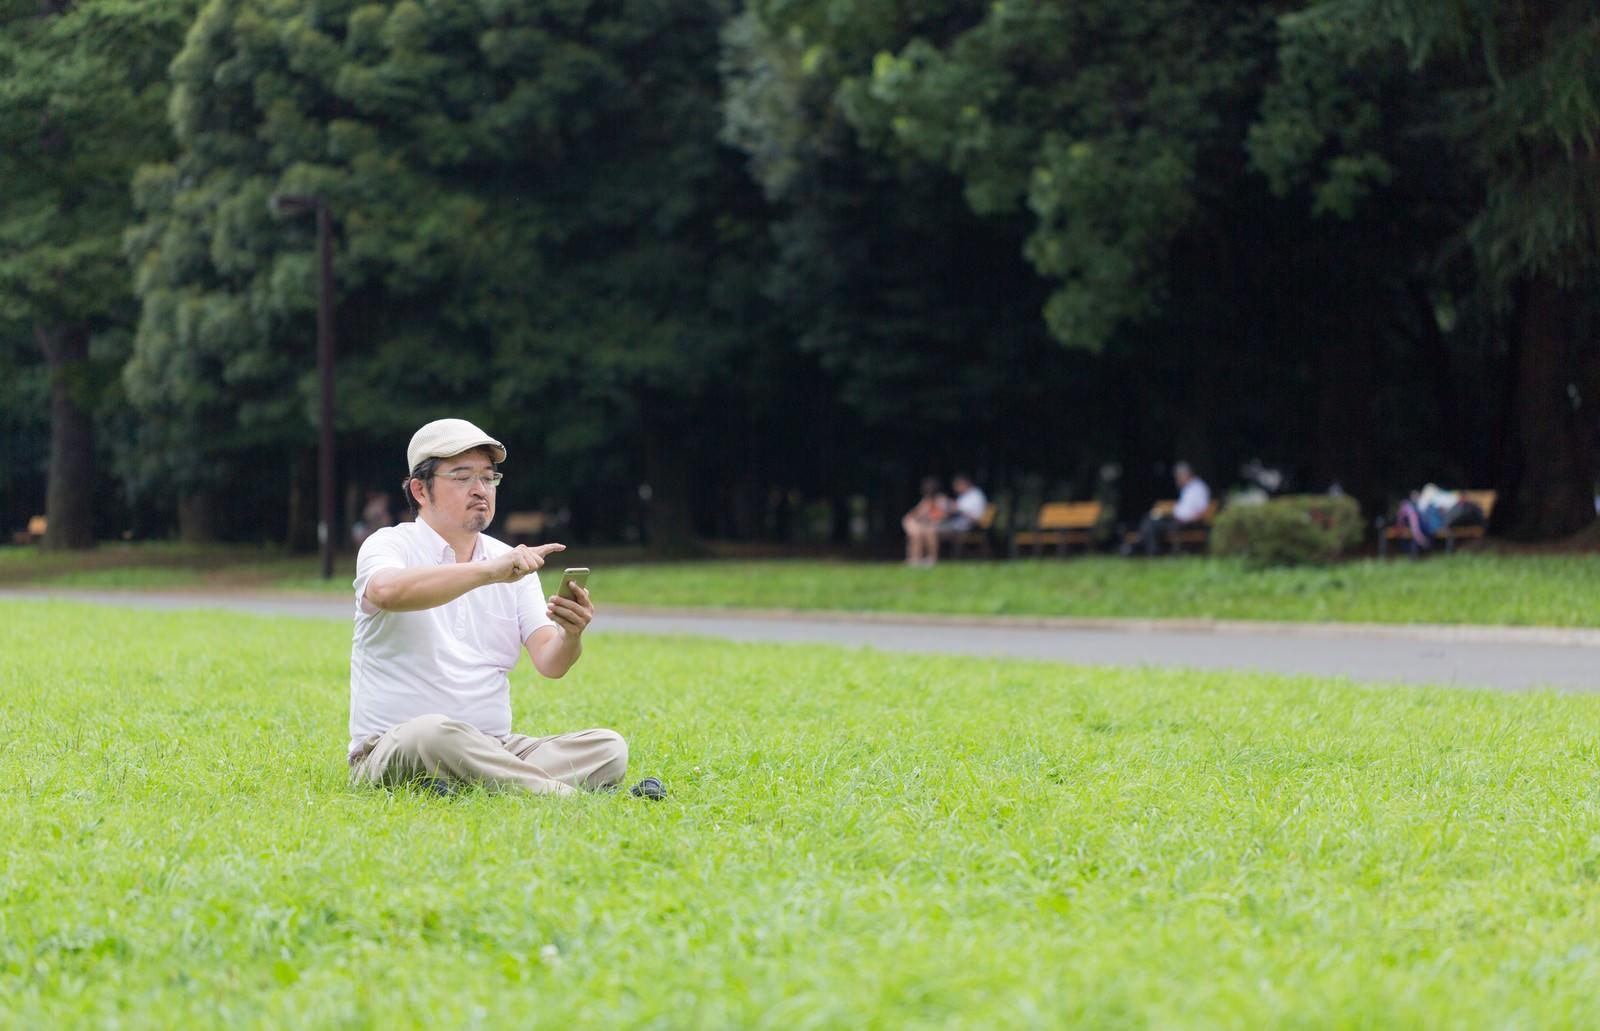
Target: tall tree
point(83, 90)
point(1097, 120)
point(921, 311)
point(1106, 139)
point(537, 227)
point(1512, 87)
point(24, 426)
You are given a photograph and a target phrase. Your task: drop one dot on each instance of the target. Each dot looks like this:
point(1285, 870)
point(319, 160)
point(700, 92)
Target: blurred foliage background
point(722, 270)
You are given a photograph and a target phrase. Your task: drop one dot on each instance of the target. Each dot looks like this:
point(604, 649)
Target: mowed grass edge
point(1462, 589)
point(853, 840)
point(1475, 588)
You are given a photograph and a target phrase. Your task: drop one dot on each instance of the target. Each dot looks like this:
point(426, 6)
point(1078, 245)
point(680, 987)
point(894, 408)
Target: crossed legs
point(436, 746)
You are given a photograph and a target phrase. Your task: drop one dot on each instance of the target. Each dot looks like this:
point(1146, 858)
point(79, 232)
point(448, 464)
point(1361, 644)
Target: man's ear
point(418, 490)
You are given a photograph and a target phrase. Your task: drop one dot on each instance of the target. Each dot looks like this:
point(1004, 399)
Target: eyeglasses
point(464, 477)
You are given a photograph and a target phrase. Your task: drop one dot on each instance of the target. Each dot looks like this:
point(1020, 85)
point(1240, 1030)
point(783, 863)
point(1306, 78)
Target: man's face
point(459, 495)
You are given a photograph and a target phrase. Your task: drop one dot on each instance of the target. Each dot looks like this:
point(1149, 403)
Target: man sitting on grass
point(443, 612)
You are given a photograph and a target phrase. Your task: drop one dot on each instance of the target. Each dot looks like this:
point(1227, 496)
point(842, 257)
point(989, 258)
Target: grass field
point(1461, 589)
point(854, 840)
point(1481, 588)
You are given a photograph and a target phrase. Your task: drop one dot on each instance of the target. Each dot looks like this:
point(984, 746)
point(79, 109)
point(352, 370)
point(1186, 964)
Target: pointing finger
point(545, 549)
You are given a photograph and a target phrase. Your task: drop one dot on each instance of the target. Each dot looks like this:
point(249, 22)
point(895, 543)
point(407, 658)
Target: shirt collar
point(440, 548)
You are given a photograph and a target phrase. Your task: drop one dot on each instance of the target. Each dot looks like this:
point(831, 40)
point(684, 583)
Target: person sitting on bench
point(1194, 501)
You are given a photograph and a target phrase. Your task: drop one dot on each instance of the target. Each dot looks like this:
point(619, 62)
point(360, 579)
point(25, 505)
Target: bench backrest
point(1484, 499)
point(1068, 515)
point(529, 523)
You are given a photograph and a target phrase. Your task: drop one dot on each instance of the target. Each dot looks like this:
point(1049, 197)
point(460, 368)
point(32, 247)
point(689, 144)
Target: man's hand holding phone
point(569, 606)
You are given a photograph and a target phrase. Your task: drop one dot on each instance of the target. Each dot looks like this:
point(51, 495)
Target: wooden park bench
point(980, 536)
point(1390, 529)
point(33, 534)
point(1058, 524)
point(524, 527)
point(1195, 534)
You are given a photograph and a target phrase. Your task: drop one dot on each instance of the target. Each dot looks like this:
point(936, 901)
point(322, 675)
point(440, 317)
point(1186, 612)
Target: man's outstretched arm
point(427, 587)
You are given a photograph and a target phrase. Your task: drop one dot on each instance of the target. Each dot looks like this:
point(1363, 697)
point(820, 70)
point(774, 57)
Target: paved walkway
point(1507, 658)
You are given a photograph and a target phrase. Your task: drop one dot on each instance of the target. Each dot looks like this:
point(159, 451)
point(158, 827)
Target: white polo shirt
point(453, 659)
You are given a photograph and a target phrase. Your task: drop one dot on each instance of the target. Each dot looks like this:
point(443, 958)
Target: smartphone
point(579, 574)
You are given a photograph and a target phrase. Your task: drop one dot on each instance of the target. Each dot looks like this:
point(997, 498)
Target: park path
point(1505, 658)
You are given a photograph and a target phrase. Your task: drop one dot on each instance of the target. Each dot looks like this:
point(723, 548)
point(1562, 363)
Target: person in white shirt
point(1193, 505)
point(938, 515)
point(970, 505)
point(965, 513)
point(443, 613)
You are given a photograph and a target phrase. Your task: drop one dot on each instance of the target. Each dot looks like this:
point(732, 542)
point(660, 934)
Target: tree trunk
point(1444, 375)
point(671, 517)
point(746, 500)
point(839, 508)
point(1193, 439)
point(301, 531)
point(70, 488)
point(1345, 364)
point(1548, 492)
point(197, 518)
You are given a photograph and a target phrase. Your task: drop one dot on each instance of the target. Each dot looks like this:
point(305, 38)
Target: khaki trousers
point(437, 746)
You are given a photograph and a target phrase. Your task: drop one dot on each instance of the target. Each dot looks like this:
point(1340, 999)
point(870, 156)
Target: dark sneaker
point(436, 785)
point(649, 788)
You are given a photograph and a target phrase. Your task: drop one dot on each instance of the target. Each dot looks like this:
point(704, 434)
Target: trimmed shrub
point(1296, 530)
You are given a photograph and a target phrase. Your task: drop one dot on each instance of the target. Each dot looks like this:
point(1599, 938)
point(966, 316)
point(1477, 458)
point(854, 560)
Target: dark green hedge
point(1297, 530)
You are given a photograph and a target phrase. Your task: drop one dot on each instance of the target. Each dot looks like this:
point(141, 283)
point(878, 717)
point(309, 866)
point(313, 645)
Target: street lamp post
point(282, 204)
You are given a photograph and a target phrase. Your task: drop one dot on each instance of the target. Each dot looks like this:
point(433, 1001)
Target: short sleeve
point(531, 613)
point(385, 549)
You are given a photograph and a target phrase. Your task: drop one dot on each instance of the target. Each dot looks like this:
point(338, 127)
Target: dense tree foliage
point(1101, 144)
point(921, 312)
point(1512, 90)
point(82, 88)
point(537, 228)
point(753, 255)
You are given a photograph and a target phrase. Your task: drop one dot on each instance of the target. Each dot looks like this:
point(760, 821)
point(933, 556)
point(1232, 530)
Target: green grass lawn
point(1483, 588)
point(853, 840)
point(1461, 589)
point(161, 564)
